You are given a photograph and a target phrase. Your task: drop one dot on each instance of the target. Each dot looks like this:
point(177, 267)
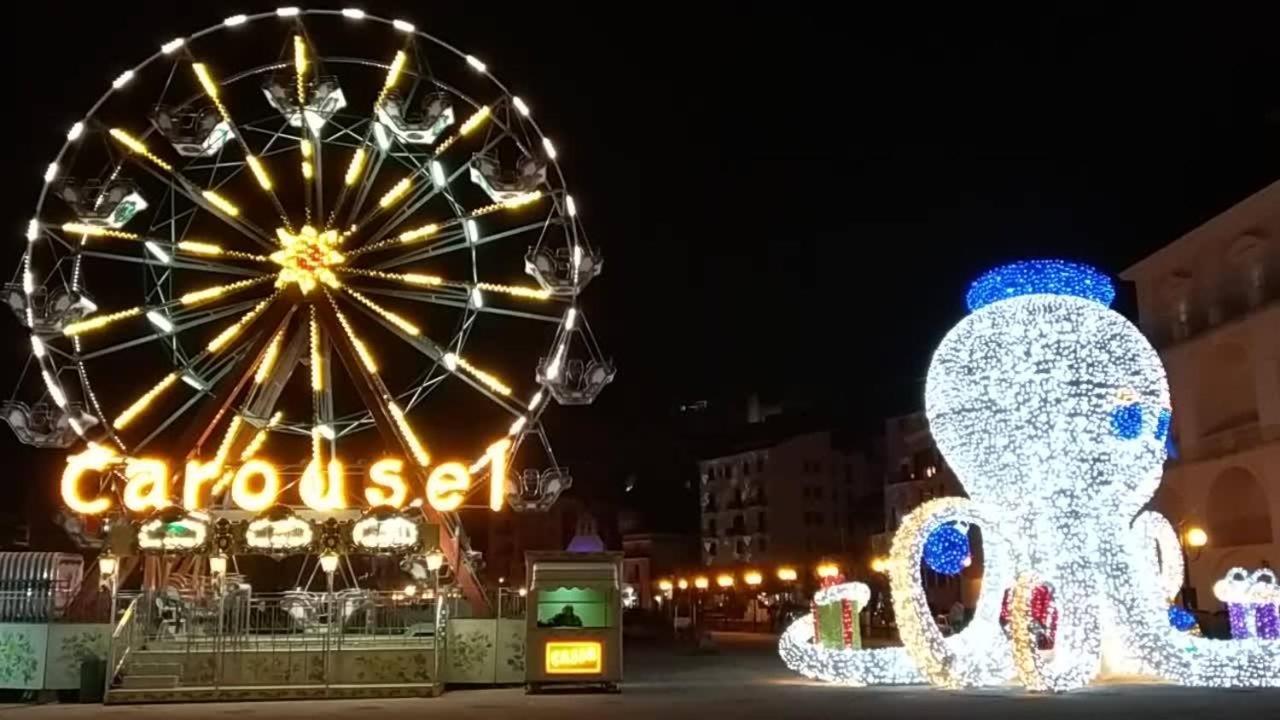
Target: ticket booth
point(574, 617)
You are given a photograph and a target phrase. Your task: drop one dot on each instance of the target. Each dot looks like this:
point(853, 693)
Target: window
point(739, 525)
point(764, 544)
point(760, 523)
point(574, 607)
point(817, 493)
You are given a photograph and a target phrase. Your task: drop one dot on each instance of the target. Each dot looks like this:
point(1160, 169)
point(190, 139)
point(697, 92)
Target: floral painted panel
point(470, 651)
point(22, 651)
point(511, 652)
point(70, 645)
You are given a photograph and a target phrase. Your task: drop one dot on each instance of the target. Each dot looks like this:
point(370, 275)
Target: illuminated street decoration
point(574, 657)
point(1053, 411)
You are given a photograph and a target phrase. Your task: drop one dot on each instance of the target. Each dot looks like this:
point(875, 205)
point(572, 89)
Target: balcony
point(1204, 317)
point(1231, 441)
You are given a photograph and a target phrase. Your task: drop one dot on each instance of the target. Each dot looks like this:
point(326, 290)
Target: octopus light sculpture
point(1054, 413)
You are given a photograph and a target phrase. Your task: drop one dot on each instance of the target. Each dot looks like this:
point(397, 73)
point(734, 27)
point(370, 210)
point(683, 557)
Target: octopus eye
point(1163, 422)
point(1126, 421)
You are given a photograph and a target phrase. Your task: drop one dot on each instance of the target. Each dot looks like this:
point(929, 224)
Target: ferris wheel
point(297, 225)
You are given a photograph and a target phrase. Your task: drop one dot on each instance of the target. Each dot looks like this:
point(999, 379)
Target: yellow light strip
point(96, 231)
point(515, 290)
point(366, 357)
point(407, 278)
point(308, 170)
point(206, 80)
point(260, 438)
point(300, 64)
point(396, 192)
point(355, 168)
point(234, 329)
point(99, 321)
point(269, 358)
point(259, 172)
point(199, 248)
point(389, 316)
point(393, 77)
point(199, 296)
point(515, 202)
point(473, 122)
point(146, 399)
point(487, 379)
point(418, 233)
point(317, 370)
point(136, 147)
point(406, 431)
point(220, 202)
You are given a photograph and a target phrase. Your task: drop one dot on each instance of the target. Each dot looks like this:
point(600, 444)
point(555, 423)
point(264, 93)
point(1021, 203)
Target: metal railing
point(239, 638)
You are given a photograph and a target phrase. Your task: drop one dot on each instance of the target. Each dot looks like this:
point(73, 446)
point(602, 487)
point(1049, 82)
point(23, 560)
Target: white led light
point(75, 425)
point(28, 282)
point(51, 172)
point(325, 431)
point(287, 11)
point(55, 390)
point(518, 425)
point(194, 382)
point(451, 361)
point(571, 318)
point(122, 80)
point(172, 46)
point(157, 251)
point(37, 347)
point(437, 174)
point(475, 62)
point(353, 13)
point(472, 231)
point(477, 298)
point(571, 206)
point(535, 401)
point(33, 230)
point(577, 257)
point(381, 135)
point(162, 323)
point(403, 26)
point(1048, 406)
point(551, 149)
point(235, 20)
point(88, 305)
point(520, 106)
point(76, 131)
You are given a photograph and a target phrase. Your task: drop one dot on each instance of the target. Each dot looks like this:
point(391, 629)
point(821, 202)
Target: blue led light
point(946, 550)
point(1181, 618)
point(1163, 422)
point(1126, 421)
point(1034, 277)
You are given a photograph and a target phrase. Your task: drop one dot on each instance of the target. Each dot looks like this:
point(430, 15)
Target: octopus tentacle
point(1078, 653)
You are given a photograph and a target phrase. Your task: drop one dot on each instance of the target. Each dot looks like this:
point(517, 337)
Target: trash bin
point(93, 679)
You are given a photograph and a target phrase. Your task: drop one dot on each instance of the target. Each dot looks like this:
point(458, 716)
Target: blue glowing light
point(946, 552)
point(1035, 277)
point(1181, 618)
point(1126, 421)
point(1163, 422)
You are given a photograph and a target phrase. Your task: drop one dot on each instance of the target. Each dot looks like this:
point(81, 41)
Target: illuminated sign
point(574, 658)
point(255, 485)
point(284, 533)
point(391, 533)
point(170, 534)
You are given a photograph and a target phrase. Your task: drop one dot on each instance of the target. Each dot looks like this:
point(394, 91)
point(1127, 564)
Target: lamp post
point(108, 565)
point(329, 564)
point(435, 561)
point(1195, 538)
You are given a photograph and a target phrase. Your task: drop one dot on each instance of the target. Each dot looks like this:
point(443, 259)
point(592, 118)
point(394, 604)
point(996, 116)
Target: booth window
point(573, 607)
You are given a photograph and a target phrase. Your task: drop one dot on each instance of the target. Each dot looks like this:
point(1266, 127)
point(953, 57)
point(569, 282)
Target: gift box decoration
point(835, 615)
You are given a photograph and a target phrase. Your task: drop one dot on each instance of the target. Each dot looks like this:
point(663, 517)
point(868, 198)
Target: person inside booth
point(566, 618)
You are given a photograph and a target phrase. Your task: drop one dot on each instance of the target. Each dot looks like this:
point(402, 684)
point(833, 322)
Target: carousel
point(299, 288)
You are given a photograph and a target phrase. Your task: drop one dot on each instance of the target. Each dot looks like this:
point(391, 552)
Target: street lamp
point(752, 578)
point(682, 583)
point(435, 560)
point(1195, 538)
point(828, 570)
point(218, 567)
point(880, 564)
point(107, 566)
point(701, 582)
point(724, 580)
point(787, 574)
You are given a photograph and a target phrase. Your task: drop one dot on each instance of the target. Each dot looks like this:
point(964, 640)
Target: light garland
point(947, 550)
point(1053, 411)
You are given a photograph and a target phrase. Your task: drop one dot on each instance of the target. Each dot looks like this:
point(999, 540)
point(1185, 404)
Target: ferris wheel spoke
point(180, 325)
point(153, 311)
point(214, 92)
point(162, 250)
point(215, 375)
point(197, 265)
point(458, 302)
point(455, 242)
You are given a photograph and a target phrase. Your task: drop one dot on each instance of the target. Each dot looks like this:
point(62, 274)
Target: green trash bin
point(93, 679)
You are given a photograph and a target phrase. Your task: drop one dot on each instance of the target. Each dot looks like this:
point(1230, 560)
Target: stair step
point(148, 682)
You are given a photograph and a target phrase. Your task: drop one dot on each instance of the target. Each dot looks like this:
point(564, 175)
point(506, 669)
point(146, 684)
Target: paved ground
point(744, 681)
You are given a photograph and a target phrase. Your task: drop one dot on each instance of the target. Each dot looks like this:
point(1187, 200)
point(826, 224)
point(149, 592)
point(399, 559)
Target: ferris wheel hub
point(307, 258)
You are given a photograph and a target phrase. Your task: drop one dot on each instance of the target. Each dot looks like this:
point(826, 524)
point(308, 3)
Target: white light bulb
point(535, 401)
point(519, 105)
point(287, 12)
point(325, 431)
point(194, 382)
point(353, 13)
point(33, 230)
point(162, 323)
point(76, 131)
point(477, 298)
point(571, 318)
point(122, 80)
point(381, 136)
point(518, 425)
point(172, 46)
point(437, 174)
point(235, 20)
point(551, 149)
point(55, 390)
point(475, 62)
point(472, 231)
point(403, 26)
point(51, 172)
point(451, 361)
point(570, 205)
point(157, 251)
point(37, 347)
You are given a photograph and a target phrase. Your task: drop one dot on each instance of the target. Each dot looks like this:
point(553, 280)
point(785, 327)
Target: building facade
point(1210, 303)
point(793, 499)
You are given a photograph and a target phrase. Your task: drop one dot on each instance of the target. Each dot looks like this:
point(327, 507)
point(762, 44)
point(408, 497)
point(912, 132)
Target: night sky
point(791, 201)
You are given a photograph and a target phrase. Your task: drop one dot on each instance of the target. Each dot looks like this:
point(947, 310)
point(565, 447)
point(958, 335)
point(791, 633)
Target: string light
point(144, 401)
point(137, 147)
point(366, 357)
point(1020, 399)
point(200, 296)
point(259, 172)
point(473, 122)
point(454, 361)
point(355, 167)
point(317, 359)
point(386, 314)
point(260, 437)
point(397, 191)
point(100, 321)
point(97, 231)
point(199, 248)
point(269, 358)
point(418, 233)
point(515, 290)
point(221, 203)
point(416, 448)
point(227, 335)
